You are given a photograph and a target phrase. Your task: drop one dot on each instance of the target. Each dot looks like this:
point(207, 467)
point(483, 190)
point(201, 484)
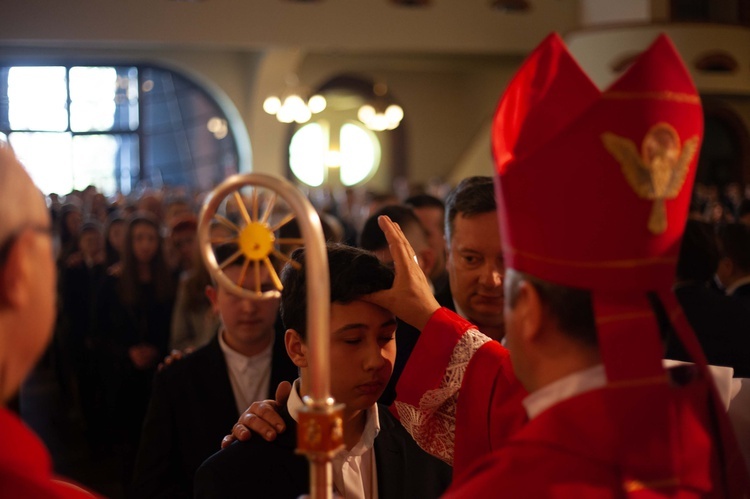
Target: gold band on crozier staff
point(669, 96)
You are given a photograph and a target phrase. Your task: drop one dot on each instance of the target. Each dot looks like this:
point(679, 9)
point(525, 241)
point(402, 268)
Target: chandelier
point(293, 105)
point(380, 113)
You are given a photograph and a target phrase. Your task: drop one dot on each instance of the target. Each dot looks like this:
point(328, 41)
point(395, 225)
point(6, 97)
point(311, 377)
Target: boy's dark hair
point(372, 237)
point(291, 230)
point(353, 272)
point(472, 196)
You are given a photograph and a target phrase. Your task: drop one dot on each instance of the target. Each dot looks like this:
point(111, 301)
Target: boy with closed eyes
point(380, 458)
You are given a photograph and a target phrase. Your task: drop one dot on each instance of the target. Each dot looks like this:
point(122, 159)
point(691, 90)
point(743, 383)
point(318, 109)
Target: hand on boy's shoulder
point(261, 418)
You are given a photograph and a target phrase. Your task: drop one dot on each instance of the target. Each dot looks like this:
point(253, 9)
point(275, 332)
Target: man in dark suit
point(720, 322)
point(474, 261)
point(380, 459)
point(195, 399)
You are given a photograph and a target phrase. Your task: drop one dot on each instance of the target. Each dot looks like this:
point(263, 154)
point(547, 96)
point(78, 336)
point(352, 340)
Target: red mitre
point(593, 190)
point(594, 187)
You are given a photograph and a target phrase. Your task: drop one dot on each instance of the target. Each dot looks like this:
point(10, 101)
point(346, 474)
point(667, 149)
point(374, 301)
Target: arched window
point(347, 153)
point(340, 153)
point(119, 128)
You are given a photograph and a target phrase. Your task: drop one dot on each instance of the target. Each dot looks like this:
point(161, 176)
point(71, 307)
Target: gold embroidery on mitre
point(659, 171)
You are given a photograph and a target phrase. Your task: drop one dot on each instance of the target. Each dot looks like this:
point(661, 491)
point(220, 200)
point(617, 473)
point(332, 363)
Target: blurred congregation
point(132, 289)
point(116, 322)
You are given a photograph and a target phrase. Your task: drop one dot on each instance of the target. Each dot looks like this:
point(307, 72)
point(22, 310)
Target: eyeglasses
point(11, 239)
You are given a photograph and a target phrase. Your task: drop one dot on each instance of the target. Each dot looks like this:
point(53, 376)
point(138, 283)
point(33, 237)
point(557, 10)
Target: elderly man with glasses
point(27, 314)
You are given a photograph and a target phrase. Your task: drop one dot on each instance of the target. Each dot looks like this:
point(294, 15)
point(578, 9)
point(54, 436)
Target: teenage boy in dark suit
point(195, 399)
point(380, 459)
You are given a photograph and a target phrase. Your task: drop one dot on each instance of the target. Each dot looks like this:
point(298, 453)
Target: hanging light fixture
point(292, 105)
point(380, 113)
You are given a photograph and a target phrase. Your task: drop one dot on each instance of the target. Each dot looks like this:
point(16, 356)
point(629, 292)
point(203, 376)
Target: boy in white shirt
point(380, 459)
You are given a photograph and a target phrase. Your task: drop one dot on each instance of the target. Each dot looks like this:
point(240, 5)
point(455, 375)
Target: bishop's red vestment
point(25, 465)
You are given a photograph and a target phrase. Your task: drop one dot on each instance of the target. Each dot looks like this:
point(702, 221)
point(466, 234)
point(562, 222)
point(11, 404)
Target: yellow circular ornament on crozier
point(256, 240)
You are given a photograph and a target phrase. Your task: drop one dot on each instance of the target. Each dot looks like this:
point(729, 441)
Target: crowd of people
point(472, 277)
point(132, 288)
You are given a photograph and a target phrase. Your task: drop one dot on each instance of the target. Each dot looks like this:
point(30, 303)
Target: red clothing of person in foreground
point(490, 407)
point(458, 389)
point(573, 450)
point(26, 468)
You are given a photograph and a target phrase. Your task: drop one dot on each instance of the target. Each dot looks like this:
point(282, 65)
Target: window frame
point(139, 134)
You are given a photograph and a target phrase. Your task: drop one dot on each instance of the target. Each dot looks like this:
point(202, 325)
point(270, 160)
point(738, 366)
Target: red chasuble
point(458, 396)
point(25, 466)
point(575, 449)
point(581, 205)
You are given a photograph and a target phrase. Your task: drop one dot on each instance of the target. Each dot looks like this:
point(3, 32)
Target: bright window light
point(307, 154)
point(94, 157)
point(311, 156)
point(360, 154)
point(47, 157)
point(38, 98)
point(92, 98)
point(75, 126)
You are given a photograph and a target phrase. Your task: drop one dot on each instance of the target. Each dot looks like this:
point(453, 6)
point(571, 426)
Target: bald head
point(20, 200)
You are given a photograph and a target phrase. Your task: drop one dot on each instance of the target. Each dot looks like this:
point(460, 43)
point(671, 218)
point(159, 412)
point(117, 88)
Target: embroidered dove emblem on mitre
point(659, 171)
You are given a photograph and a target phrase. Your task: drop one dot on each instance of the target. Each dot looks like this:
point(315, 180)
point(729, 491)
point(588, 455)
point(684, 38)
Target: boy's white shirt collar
point(250, 377)
point(372, 423)
point(243, 362)
point(355, 470)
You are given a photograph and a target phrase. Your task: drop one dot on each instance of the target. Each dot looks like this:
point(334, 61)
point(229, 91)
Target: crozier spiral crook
point(250, 222)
